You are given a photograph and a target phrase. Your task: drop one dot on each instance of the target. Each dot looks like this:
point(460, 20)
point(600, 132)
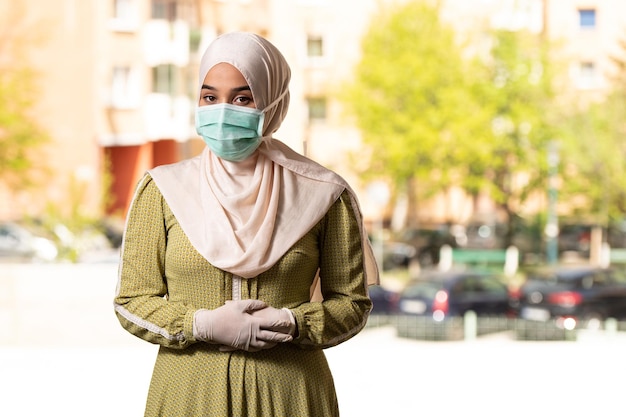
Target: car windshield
point(422, 290)
point(545, 277)
point(492, 285)
point(568, 277)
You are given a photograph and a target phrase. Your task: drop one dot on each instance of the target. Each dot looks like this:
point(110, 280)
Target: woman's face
point(225, 84)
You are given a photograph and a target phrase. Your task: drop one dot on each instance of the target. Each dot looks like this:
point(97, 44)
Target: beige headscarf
point(244, 216)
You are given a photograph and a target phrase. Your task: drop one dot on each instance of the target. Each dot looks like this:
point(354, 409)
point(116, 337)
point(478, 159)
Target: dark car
point(385, 301)
point(485, 235)
point(525, 236)
point(575, 238)
point(616, 234)
point(429, 239)
point(397, 255)
point(394, 254)
point(442, 294)
point(586, 294)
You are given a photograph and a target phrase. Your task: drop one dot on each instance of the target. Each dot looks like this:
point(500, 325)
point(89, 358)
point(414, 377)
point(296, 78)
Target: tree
point(516, 87)
point(436, 118)
point(595, 151)
point(409, 100)
point(20, 136)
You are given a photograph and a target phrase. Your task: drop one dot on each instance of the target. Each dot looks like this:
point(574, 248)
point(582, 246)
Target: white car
point(19, 244)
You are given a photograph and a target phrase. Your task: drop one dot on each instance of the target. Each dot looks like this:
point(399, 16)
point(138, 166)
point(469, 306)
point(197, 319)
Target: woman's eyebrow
point(236, 89)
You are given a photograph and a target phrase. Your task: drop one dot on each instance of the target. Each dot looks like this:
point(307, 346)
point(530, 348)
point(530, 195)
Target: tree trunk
point(412, 218)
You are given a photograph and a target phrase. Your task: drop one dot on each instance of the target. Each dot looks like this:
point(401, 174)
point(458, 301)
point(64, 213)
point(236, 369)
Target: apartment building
point(117, 78)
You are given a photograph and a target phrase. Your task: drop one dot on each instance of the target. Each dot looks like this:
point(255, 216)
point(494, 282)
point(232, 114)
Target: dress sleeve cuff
point(188, 326)
point(292, 319)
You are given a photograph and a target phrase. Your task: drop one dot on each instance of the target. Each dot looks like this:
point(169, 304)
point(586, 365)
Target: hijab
point(244, 216)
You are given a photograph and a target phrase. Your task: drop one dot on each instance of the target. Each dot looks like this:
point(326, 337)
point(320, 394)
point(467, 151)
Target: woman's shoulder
point(175, 169)
point(146, 188)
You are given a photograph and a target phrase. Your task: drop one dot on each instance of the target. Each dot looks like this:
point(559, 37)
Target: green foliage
point(516, 86)
point(406, 94)
point(19, 135)
point(438, 119)
point(594, 155)
point(594, 151)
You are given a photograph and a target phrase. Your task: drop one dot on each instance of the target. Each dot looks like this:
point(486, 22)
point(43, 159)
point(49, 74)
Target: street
point(62, 352)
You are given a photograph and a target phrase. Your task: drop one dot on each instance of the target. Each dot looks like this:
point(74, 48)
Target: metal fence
point(470, 327)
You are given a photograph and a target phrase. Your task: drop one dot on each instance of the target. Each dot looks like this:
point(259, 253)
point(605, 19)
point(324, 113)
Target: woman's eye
point(208, 98)
point(242, 100)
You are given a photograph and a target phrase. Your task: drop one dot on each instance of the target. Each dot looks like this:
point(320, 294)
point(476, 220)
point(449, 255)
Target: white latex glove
point(233, 325)
point(282, 320)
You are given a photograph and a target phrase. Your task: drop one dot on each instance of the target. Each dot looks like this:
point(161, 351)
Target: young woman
point(222, 252)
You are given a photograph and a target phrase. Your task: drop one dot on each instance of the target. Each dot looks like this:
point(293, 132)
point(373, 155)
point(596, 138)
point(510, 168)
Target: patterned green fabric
point(164, 280)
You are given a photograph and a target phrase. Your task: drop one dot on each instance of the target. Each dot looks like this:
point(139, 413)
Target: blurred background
point(494, 123)
point(485, 139)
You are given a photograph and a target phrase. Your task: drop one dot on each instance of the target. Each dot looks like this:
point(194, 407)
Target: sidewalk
point(62, 353)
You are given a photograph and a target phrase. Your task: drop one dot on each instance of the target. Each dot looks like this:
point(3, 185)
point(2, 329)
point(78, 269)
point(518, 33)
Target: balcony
point(166, 117)
point(166, 42)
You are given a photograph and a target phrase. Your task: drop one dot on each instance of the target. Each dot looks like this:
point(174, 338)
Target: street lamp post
point(552, 225)
point(379, 194)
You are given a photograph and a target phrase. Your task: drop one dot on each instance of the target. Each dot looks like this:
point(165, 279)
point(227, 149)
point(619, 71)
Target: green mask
point(231, 132)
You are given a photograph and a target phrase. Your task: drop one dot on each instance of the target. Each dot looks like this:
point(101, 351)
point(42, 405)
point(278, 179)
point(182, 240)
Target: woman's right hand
point(233, 325)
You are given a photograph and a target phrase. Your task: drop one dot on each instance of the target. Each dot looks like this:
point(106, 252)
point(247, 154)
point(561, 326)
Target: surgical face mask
point(231, 132)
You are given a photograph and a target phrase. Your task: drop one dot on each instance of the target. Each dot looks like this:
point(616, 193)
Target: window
point(314, 47)
point(124, 15)
point(124, 87)
point(123, 9)
point(165, 79)
point(164, 9)
point(317, 50)
point(317, 108)
point(587, 75)
point(587, 18)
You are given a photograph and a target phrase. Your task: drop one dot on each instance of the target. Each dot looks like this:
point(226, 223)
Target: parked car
point(586, 294)
point(394, 254)
point(485, 235)
point(18, 244)
point(453, 293)
point(616, 234)
point(428, 240)
point(397, 255)
point(385, 301)
point(575, 237)
point(525, 235)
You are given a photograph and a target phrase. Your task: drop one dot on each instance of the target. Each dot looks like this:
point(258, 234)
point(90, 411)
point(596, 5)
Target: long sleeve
point(141, 302)
point(345, 307)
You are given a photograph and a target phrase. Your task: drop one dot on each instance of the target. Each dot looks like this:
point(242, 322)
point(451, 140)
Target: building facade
point(117, 80)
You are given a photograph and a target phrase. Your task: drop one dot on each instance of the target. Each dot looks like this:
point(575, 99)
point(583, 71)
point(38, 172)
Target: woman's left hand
point(282, 319)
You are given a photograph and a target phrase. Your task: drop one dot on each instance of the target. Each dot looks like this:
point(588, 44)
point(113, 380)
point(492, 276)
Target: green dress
point(163, 280)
